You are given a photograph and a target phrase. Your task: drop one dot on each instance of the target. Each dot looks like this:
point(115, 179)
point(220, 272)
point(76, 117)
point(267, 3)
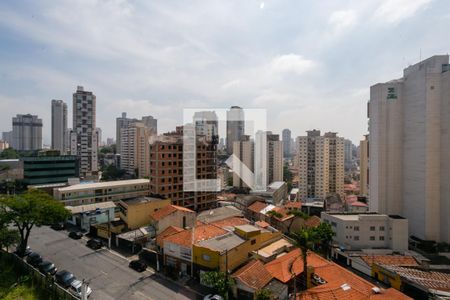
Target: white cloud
point(342, 19)
point(394, 11)
point(292, 63)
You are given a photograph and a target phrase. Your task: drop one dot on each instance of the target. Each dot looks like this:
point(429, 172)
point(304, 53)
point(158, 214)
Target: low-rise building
point(87, 193)
point(172, 215)
point(275, 193)
point(49, 169)
point(353, 231)
point(136, 212)
point(89, 215)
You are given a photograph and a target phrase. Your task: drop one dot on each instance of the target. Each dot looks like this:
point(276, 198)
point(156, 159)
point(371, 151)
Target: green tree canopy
point(264, 294)
point(218, 281)
point(9, 153)
point(31, 208)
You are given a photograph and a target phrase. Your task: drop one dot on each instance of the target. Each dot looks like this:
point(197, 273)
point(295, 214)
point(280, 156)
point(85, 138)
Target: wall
point(138, 214)
point(176, 219)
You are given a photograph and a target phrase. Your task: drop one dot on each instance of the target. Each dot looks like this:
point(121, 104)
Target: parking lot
point(107, 272)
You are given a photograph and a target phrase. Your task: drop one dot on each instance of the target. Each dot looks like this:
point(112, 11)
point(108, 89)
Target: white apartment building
point(320, 161)
point(27, 132)
point(123, 123)
point(409, 146)
point(83, 138)
point(354, 231)
point(135, 149)
point(59, 126)
point(87, 193)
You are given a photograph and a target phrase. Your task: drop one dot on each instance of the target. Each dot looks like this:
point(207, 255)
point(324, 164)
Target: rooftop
point(276, 185)
point(231, 222)
point(248, 228)
point(202, 232)
point(106, 184)
point(390, 260)
point(275, 248)
point(140, 200)
point(253, 274)
point(167, 210)
point(223, 242)
point(165, 233)
point(90, 207)
point(257, 206)
point(217, 214)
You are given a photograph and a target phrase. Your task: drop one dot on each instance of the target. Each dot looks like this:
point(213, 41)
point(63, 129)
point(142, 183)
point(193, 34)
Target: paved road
point(107, 272)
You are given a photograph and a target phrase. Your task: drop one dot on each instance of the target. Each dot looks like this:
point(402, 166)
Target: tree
point(111, 172)
point(264, 294)
point(8, 236)
point(217, 280)
point(34, 207)
point(305, 240)
point(273, 214)
point(324, 236)
point(9, 153)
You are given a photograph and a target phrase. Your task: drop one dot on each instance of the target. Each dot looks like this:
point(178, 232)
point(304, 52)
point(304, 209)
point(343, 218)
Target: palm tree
point(297, 214)
point(305, 240)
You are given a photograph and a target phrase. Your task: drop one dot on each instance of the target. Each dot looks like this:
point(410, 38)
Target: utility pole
point(109, 230)
point(84, 290)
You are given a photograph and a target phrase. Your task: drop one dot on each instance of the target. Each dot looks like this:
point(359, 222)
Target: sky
point(309, 63)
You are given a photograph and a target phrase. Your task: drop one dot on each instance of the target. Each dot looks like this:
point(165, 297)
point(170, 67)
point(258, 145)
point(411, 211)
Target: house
point(136, 212)
point(172, 215)
point(177, 247)
point(88, 215)
point(231, 250)
point(217, 214)
point(254, 277)
point(271, 251)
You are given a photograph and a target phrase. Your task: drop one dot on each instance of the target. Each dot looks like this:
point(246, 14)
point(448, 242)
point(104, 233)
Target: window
point(333, 224)
point(372, 238)
point(356, 238)
point(381, 238)
point(372, 228)
point(381, 228)
point(356, 228)
point(253, 242)
point(206, 257)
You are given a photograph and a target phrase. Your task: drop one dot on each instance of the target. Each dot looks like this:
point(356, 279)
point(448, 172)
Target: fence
point(45, 285)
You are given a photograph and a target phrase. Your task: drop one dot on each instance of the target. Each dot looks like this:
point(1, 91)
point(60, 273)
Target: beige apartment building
point(320, 161)
point(364, 166)
point(409, 134)
point(135, 149)
point(87, 193)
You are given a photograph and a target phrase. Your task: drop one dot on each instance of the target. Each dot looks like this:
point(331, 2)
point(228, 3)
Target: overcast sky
point(310, 63)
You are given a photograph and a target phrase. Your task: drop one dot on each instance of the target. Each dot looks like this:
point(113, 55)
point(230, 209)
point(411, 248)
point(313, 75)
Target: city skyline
point(305, 71)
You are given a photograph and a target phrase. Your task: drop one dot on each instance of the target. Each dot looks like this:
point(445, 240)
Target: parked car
point(213, 297)
point(34, 259)
point(47, 268)
point(94, 243)
point(26, 253)
point(64, 278)
point(75, 235)
point(75, 288)
point(138, 265)
point(58, 226)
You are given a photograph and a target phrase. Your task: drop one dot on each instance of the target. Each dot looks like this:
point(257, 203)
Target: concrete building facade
point(59, 126)
point(83, 137)
point(364, 166)
point(286, 134)
point(26, 133)
point(353, 231)
point(409, 134)
point(320, 161)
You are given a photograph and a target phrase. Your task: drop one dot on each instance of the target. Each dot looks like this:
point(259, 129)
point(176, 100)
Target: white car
point(75, 288)
point(213, 297)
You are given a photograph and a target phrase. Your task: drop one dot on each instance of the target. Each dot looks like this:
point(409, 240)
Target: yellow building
point(231, 250)
point(136, 212)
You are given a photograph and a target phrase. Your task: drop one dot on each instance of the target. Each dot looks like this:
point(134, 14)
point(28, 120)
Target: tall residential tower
point(59, 126)
point(27, 132)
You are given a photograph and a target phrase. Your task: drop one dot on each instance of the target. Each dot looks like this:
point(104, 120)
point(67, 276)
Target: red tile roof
point(167, 210)
point(254, 275)
point(202, 232)
point(257, 206)
point(284, 212)
point(231, 222)
point(293, 205)
point(167, 232)
point(358, 203)
point(390, 260)
point(312, 221)
point(262, 224)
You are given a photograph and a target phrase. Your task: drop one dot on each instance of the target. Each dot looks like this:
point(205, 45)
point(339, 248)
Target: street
point(107, 272)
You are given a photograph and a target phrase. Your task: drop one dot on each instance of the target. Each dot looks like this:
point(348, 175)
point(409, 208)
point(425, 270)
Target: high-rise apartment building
point(27, 132)
point(320, 160)
point(348, 154)
point(409, 134)
point(235, 126)
point(364, 166)
point(135, 150)
point(59, 126)
point(286, 142)
point(123, 122)
point(83, 137)
point(166, 169)
point(206, 124)
point(245, 150)
point(7, 137)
